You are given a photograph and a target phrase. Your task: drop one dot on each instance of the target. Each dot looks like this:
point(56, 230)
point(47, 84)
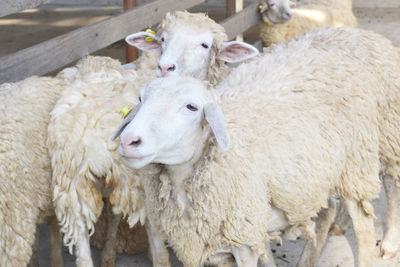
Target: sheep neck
point(188, 174)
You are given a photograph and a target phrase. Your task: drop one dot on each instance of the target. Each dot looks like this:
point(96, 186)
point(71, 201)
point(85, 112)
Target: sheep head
point(171, 124)
point(191, 44)
point(277, 11)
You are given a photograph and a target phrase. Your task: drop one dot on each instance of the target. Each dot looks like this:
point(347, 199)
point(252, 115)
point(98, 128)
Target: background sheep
point(325, 48)
point(280, 23)
point(25, 174)
point(91, 107)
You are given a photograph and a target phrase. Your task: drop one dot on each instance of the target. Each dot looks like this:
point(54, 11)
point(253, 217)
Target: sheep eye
point(140, 99)
point(191, 107)
point(204, 45)
point(162, 39)
point(271, 4)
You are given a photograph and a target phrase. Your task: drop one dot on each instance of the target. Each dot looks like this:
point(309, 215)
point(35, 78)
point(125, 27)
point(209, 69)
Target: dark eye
point(271, 4)
point(204, 45)
point(191, 107)
point(140, 99)
point(162, 39)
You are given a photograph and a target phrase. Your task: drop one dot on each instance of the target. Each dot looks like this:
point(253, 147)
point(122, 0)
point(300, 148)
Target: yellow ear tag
point(148, 38)
point(125, 111)
point(150, 31)
point(260, 7)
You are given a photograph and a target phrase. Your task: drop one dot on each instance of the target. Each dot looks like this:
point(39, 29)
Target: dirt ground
point(32, 26)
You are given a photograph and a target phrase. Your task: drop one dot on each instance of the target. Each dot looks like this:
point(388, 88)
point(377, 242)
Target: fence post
point(232, 7)
point(131, 52)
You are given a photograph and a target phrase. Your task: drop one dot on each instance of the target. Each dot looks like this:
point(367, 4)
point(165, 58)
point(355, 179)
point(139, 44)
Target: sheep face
point(185, 52)
point(190, 44)
point(277, 11)
point(169, 127)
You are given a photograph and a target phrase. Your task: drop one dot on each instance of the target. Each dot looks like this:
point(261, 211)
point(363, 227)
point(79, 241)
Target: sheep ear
point(215, 119)
point(263, 7)
point(126, 121)
point(292, 4)
point(235, 51)
point(144, 41)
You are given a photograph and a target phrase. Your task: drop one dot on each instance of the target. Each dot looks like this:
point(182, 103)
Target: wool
point(84, 160)
point(25, 174)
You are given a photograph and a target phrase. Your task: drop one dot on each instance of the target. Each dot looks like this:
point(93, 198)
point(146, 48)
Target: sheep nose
point(128, 142)
point(288, 15)
point(166, 68)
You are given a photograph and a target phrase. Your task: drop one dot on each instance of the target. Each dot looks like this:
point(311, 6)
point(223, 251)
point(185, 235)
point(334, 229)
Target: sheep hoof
point(388, 255)
point(336, 230)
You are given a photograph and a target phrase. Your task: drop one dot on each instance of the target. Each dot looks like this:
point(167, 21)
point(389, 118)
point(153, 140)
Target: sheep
point(191, 201)
point(91, 98)
point(25, 176)
point(315, 64)
point(379, 55)
point(82, 170)
point(280, 23)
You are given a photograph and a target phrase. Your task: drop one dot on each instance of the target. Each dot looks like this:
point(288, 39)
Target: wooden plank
point(131, 52)
point(230, 8)
point(241, 21)
point(58, 52)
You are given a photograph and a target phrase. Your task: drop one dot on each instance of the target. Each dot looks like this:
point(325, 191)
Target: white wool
point(25, 176)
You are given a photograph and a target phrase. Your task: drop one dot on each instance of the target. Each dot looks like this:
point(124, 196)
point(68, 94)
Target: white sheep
point(85, 156)
point(319, 116)
point(82, 170)
point(202, 204)
point(281, 23)
point(25, 175)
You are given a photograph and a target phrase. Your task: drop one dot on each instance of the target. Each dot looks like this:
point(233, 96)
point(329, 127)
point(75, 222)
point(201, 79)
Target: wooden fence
point(62, 50)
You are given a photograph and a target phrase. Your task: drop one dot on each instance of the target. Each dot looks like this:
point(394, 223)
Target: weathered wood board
point(57, 52)
point(62, 50)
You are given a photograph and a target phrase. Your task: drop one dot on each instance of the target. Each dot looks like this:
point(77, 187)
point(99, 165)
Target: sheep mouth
point(279, 20)
point(138, 161)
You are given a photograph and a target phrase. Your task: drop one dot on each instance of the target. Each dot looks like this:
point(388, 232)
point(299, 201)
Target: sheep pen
point(382, 17)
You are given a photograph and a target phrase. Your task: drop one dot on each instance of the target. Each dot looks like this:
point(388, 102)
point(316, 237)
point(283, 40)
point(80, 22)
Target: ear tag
point(150, 31)
point(125, 111)
point(260, 7)
point(148, 38)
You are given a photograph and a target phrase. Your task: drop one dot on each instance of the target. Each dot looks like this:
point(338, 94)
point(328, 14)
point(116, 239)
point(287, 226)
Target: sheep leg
point(267, 260)
point(34, 261)
point(342, 220)
point(83, 253)
point(245, 256)
point(365, 233)
point(109, 252)
point(55, 242)
point(311, 252)
point(159, 253)
point(391, 240)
